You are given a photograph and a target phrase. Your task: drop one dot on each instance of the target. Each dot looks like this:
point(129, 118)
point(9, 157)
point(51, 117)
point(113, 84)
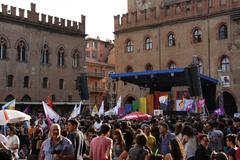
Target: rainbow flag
point(9, 105)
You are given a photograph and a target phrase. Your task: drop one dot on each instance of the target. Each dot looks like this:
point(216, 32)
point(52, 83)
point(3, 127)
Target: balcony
point(95, 90)
point(95, 75)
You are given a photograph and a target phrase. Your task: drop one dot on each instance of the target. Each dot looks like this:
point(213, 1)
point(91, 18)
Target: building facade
point(40, 56)
point(163, 34)
point(98, 67)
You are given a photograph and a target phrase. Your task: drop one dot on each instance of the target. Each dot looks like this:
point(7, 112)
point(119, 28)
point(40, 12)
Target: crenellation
point(133, 17)
point(33, 16)
point(75, 26)
point(13, 11)
point(116, 21)
point(63, 22)
point(124, 19)
point(4, 9)
point(152, 13)
point(44, 18)
point(142, 15)
point(56, 21)
point(50, 20)
point(21, 13)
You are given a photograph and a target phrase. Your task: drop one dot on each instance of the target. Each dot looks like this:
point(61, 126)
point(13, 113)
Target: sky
point(99, 13)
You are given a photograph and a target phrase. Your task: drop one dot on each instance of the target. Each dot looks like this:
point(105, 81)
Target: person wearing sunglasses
point(203, 151)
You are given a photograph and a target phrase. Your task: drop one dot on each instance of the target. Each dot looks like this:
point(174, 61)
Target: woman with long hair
point(118, 143)
point(176, 150)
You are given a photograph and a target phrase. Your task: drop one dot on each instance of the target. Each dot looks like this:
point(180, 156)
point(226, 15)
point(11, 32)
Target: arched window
point(3, 48)
point(76, 59)
point(222, 32)
point(61, 57)
point(45, 82)
point(21, 51)
point(171, 40)
point(148, 45)
point(26, 98)
point(197, 35)
point(129, 69)
point(129, 46)
point(61, 83)
point(148, 67)
point(225, 64)
point(9, 98)
point(171, 65)
point(45, 55)
point(10, 80)
point(26, 82)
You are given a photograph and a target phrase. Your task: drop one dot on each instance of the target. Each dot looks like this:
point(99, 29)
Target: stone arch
point(229, 101)
point(7, 40)
point(25, 42)
point(129, 99)
point(58, 47)
point(9, 98)
point(148, 67)
point(26, 98)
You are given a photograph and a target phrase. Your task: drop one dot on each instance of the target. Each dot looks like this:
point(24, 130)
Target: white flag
point(116, 108)
point(79, 108)
point(74, 112)
point(50, 113)
point(101, 109)
point(9, 105)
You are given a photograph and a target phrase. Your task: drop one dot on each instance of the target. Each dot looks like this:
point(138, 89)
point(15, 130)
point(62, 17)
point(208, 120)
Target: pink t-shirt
point(99, 147)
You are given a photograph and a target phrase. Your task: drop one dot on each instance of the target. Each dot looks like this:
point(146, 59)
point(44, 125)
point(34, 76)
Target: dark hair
point(11, 128)
point(6, 154)
point(74, 122)
point(141, 139)
point(165, 125)
point(188, 130)
point(203, 136)
point(176, 151)
point(232, 138)
point(105, 128)
point(221, 156)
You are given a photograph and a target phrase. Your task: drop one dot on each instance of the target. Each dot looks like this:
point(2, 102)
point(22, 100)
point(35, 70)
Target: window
point(225, 64)
point(88, 45)
point(45, 82)
point(3, 48)
point(95, 44)
point(129, 46)
point(197, 35)
point(10, 81)
point(171, 65)
point(129, 69)
point(44, 55)
point(200, 65)
point(171, 40)
point(53, 97)
point(210, 3)
point(69, 98)
point(76, 59)
point(21, 51)
point(88, 54)
point(148, 67)
point(148, 43)
point(26, 82)
point(61, 83)
point(94, 54)
point(222, 32)
point(61, 57)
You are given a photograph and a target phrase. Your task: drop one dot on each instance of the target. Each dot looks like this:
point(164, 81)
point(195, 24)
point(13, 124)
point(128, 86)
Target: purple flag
point(27, 109)
point(220, 111)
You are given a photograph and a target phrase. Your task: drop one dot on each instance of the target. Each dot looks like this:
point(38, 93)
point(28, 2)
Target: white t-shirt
point(13, 140)
point(3, 138)
point(97, 125)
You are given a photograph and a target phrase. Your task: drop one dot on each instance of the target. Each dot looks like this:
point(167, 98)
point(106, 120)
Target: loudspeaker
point(82, 86)
point(193, 80)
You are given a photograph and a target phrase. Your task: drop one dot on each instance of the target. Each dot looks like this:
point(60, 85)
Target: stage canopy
point(164, 80)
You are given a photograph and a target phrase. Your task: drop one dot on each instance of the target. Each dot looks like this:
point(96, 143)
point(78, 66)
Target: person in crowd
point(203, 151)
point(215, 136)
point(13, 142)
point(128, 137)
point(231, 144)
point(77, 138)
point(164, 141)
point(101, 146)
point(23, 137)
point(31, 129)
point(238, 149)
point(189, 141)
point(178, 130)
point(56, 147)
point(89, 135)
point(97, 124)
point(220, 156)
point(118, 143)
point(139, 151)
point(36, 142)
point(176, 150)
point(151, 140)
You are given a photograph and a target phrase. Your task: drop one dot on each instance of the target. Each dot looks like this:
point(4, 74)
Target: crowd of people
point(109, 138)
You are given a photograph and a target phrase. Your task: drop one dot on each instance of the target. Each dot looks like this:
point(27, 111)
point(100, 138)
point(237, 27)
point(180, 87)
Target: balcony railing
point(96, 75)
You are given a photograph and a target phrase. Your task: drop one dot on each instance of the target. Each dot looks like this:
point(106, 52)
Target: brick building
point(40, 56)
point(98, 67)
point(161, 34)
